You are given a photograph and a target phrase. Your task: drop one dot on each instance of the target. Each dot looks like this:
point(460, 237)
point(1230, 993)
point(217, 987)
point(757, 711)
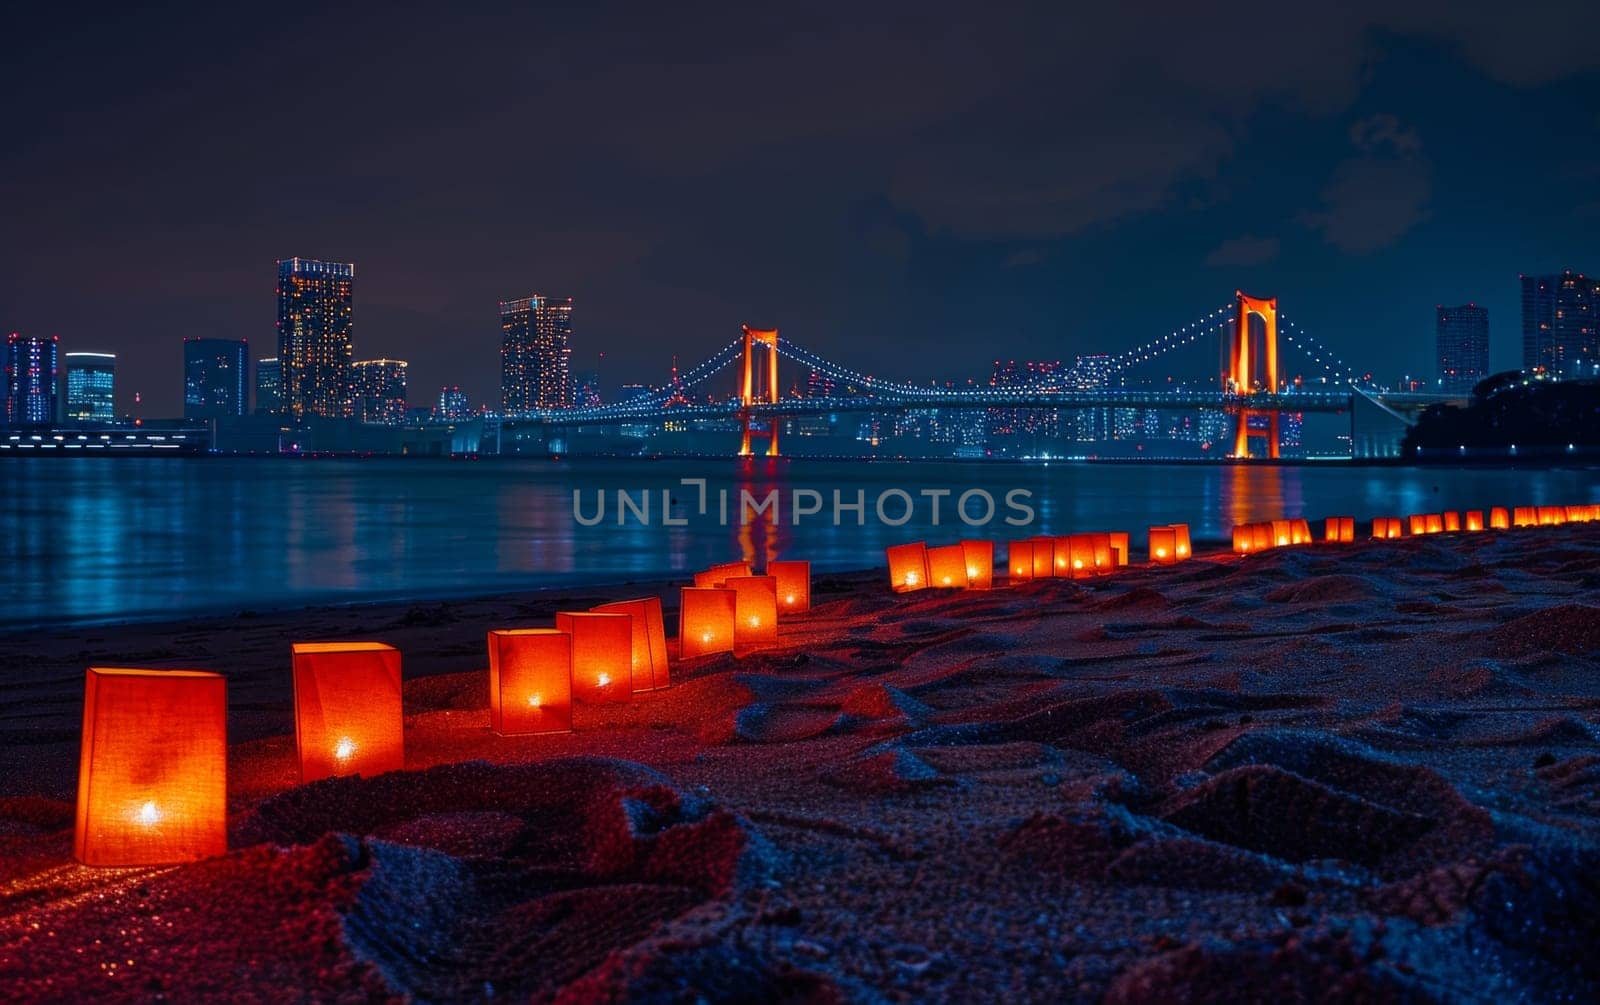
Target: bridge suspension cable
point(1319, 353)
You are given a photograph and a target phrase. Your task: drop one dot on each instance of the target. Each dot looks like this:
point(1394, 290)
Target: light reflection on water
point(89, 538)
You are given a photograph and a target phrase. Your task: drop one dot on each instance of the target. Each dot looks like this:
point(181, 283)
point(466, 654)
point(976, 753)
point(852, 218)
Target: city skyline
point(948, 182)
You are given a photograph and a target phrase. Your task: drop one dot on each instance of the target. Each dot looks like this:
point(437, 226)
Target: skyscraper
point(91, 387)
point(453, 404)
point(535, 354)
point(269, 386)
point(380, 390)
point(1462, 341)
point(31, 366)
point(216, 377)
point(315, 337)
point(1559, 324)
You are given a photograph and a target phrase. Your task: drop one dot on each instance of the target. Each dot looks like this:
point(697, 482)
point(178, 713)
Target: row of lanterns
point(1253, 537)
point(152, 772)
point(969, 565)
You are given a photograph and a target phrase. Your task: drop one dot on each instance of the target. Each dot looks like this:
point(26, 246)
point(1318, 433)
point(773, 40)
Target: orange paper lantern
point(1452, 521)
point(755, 621)
point(1434, 523)
point(979, 557)
point(347, 713)
point(1340, 529)
point(1473, 519)
point(1019, 561)
point(1499, 518)
point(1385, 528)
point(602, 654)
point(152, 767)
point(530, 681)
point(1243, 538)
point(947, 567)
point(908, 567)
point(1061, 556)
point(794, 585)
point(1281, 533)
point(1262, 536)
point(1300, 532)
point(1118, 541)
point(1163, 545)
point(649, 640)
point(1044, 565)
point(714, 576)
point(1180, 533)
point(1577, 514)
point(705, 621)
point(1080, 556)
point(1525, 516)
point(1552, 516)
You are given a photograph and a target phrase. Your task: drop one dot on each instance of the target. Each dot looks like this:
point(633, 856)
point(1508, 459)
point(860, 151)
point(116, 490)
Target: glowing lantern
point(714, 576)
point(649, 640)
point(1119, 547)
point(602, 654)
point(1474, 519)
point(705, 621)
point(1019, 561)
point(1103, 560)
point(1163, 546)
point(1551, 516)
point(1434, 523)
point(1417, 524)
point(1180, 533)
point(979, 558)
point(947, 567)
point(1340, 529)
point(1300, 532)
point(152, 767)
point(755, 611)
point(1261, 536)
point(1080, 556)
point(530, 681)
point(1043, 557)
point(1452, 521)
point(1280, 533)
point(908, 567)
point(1243, 537)
point(794, 585)
point(347, 715)
point(1385, 528)
point(1577, 514)
point(1499, 518)
point(1525, 516)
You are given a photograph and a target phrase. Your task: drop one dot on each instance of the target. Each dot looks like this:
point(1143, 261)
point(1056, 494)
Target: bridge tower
point(1251, 373)
point(751, 394)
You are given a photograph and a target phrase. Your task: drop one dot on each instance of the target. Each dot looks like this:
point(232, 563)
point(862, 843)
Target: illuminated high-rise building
point(91, 386)
point(216, 377)
point(269, 386)
point(1560, 327)
point(535, 354)
point(1461, 339)
point(30, 370)
point(453, 404)
point(380, 390)
point(315, 337)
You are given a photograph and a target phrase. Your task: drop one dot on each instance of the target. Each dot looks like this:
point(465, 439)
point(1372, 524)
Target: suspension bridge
point(1251, 389)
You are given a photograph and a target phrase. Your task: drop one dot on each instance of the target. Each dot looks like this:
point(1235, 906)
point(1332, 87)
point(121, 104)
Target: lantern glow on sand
point(794, 585)
point(979, 558)
point(602, 654)
point(347, 712)
point(908, 566)
point(1385, 528)
point(1452, 521)
point(1163, 545)
point(1044, 550)
point(705, 621)
point(1118, 541)
point(530, 681)
point(755, 610)
point(649, 640)
point(1243, 539)
point(1525, 516)
point(152, 767)
point(1340, 530)
point(1473, 519)
point(714, 576)
point(1019, 561)
point(947, 567)
point(1499, 518)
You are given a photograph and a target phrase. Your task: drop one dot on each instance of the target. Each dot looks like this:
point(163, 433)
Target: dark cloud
point(1241, 251)
point(1375, 199)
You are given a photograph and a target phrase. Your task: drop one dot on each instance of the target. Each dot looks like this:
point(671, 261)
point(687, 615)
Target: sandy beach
point(1336, 772)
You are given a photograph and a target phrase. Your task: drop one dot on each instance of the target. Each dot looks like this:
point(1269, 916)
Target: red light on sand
point(602, 654)
point(755, 611)
point(649, 640)
point(979, 559)
point(152, 767)
point(530, 681)
point(794, 585)
point(348, 717)
point(908, 566)
point(705, 621)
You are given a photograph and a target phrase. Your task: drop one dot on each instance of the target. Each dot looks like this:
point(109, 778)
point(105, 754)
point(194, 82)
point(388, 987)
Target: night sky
point(913, 190)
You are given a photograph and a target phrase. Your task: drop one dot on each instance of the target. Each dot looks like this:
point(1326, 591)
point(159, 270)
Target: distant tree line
point(1512, 408)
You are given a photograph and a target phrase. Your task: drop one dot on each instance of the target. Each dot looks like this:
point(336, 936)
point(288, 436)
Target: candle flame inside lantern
point(972, 572)
point(534, 701)
point(1077, 564)
point(789, 599)
point(1283, 541)
point(705, 637)
point(149, 814)
point(755, 622)
point(345, 748)
point(1161, 553)
point(603, 679)
point(911, 579)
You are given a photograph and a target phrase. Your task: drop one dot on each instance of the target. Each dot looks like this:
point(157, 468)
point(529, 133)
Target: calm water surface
point(89, 539)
